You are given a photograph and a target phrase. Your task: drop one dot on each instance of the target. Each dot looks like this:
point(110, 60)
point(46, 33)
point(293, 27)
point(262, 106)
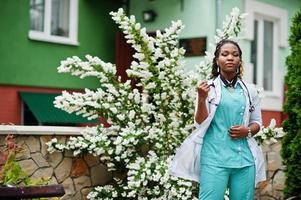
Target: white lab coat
point(186, 162)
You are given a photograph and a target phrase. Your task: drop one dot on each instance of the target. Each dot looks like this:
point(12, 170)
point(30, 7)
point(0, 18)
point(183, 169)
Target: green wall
point(34, 63)
point(198, 16)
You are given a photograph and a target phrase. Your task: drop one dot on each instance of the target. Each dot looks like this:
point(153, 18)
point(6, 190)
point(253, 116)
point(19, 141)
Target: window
point(54, 21)
point(27, 116)
point(29, 119)
point(266, 28)
point(263, 53)
point(38, 109)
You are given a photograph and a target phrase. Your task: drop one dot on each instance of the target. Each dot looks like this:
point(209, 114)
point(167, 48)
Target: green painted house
point(37, 34)
point(264, 40)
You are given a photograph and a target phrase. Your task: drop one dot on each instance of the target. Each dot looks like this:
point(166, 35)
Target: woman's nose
point(230, 57)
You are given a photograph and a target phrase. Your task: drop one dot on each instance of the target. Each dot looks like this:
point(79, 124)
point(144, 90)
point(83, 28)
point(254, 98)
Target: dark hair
point(215, 72)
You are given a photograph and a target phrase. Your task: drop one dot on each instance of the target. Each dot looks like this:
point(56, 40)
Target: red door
point(123, 56)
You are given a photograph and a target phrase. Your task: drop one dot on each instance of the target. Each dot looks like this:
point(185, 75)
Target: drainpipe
point(218, 14)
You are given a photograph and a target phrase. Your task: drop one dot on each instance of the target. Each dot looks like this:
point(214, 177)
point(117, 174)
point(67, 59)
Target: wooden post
point(16, 193)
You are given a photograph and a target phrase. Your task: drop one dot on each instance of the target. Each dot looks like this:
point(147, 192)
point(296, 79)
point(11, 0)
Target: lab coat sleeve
point(196, 124)
point(256, 114)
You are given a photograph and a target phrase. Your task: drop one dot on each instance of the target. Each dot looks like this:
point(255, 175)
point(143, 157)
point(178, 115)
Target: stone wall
point(77, 174)
point(272, 188)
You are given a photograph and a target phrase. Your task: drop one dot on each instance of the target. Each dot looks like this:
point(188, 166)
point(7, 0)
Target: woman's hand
point(203, 90)
point(238, 131)
point(201, 111)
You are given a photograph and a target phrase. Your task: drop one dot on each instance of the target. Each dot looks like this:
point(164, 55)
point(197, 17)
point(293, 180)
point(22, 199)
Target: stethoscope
point(251, 107)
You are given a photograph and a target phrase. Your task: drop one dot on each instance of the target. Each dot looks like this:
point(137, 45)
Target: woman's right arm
point(201, 112)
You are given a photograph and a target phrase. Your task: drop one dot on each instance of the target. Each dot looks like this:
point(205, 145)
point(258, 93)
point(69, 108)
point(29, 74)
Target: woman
point(221, 152)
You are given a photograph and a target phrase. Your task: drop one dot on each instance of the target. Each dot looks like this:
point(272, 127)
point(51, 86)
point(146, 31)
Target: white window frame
point(46, 34)
point(272, 100)
point(260, 66)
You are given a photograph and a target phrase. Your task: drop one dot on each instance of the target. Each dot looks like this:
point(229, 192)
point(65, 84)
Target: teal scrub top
point(219, 149)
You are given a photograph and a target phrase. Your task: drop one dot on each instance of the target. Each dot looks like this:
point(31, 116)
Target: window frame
point(260, 55)
point(46, 34)
point(272, 100)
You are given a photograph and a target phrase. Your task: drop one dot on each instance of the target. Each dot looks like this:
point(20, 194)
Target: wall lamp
point(149, 15)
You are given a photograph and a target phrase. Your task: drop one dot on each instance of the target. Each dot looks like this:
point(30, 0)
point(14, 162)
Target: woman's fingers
point(236, 132)
point(204, 83)
point(203, 89)
point(204, 86)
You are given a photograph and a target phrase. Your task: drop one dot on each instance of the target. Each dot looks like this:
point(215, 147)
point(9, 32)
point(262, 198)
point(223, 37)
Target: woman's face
point(228, 59)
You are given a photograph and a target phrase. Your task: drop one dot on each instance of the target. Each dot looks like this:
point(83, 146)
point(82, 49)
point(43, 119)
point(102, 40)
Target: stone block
point(276, 147)
point(43, 140)
point(69, 189)
point(277, 194)
point(270, 174)
point(85, 192)
point(266, 198)
point(29, 166)
point(20, 140)
point(100, 175)
point(52, 181)
point(68, 154)
point(265, 188)
point(61, 139)
point(278, 180)
point(24, 153)
point(39, 159)
point(54, 159)
point(82, 182)
point(2, 140)
point(33, 144)
point(274, 161)
point(77, 196)
point(91, 160)
point(79, 167)
point(265, 148)
point(43, 173)
point(63, 169)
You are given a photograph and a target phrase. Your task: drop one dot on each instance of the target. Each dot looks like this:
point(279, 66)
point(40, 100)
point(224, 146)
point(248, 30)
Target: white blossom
point(148, 120)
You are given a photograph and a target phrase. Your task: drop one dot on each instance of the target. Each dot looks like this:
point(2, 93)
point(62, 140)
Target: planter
point(14, 193)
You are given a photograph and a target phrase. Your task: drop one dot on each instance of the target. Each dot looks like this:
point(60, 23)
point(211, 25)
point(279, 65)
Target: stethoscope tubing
point(251, 108)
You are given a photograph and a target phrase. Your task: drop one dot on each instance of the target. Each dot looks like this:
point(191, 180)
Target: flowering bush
point(269, 134)
point(147, 125)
